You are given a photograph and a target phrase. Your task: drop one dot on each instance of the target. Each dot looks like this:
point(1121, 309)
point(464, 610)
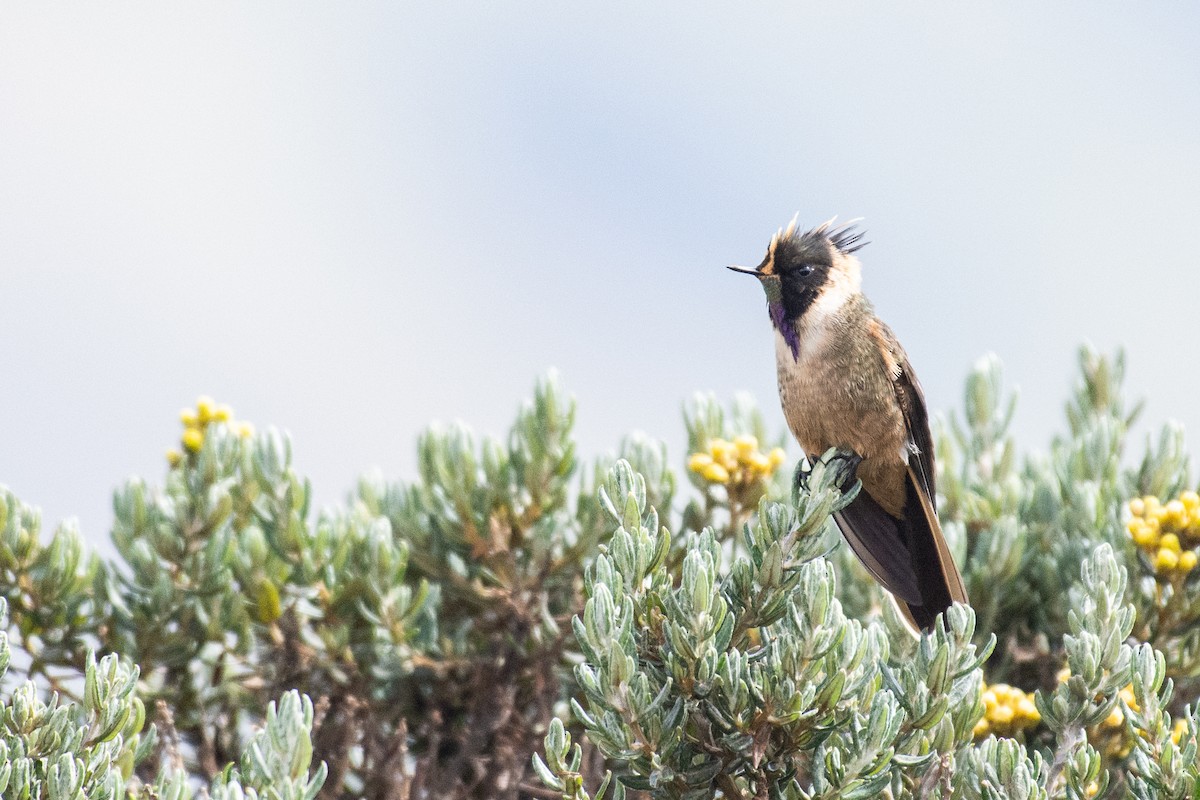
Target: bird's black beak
point(745, 270)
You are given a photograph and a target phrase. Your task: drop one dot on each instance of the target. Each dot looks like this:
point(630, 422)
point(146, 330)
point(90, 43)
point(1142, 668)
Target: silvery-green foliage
point(748, 676)
point(560, 770)
point(1096, 650)
point(47, 587)
point(278, 758)
point(712, 637)
point(744, 677)
point(491, 512)
point(999, 769)
point(1166, 752)
point(981, 493)
point(650, 459)
point(938, 685)
point(427, 618)
point(1074, 496)
point(231, 593)
point(1099, 658)
point(783, 538)
point(276, 765)
point(54, 749)
point(502, 529)
point(624, 582)
point(1021, 530)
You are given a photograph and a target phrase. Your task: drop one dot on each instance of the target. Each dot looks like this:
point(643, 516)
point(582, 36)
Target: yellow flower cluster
point(737, 462)
point(1006, 710)
point(195, 423)
point(1169, 534)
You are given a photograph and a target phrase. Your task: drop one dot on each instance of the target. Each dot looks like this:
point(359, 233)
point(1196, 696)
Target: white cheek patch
point(845, 281)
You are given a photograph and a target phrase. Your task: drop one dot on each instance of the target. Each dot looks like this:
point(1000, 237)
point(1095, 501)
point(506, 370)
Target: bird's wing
point(880, 540)
point(921, 466)
point(911, 399)
point(876, 538)
point(906, 553)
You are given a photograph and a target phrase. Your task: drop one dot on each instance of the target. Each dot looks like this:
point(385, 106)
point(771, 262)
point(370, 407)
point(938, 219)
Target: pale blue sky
point(351, 219)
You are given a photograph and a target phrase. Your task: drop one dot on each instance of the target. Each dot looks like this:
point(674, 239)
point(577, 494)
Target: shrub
point(515, 624)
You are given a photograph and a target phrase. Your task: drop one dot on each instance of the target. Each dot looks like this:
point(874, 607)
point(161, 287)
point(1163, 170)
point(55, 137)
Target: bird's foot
point(800, 479)
point(843, 464)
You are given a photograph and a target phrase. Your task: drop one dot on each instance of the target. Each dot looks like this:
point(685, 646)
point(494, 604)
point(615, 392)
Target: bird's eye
point(804, 270)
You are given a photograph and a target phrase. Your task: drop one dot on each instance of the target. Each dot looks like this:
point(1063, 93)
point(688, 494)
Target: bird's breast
point(836, 392)
point(806, 383)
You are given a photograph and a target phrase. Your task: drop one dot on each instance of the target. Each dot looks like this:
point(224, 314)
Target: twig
point(168, 742)
point(1072, 737)
point(539, 791)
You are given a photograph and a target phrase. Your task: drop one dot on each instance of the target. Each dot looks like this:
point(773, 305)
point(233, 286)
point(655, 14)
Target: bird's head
point(803, 266)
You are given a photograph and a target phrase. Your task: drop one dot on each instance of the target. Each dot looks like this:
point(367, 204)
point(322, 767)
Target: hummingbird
point(845, 382)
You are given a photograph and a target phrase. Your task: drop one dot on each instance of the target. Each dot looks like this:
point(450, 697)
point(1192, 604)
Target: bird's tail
point(938, 580)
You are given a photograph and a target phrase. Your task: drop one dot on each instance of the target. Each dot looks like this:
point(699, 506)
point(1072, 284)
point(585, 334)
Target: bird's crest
point(847, 237)
point(780, 235)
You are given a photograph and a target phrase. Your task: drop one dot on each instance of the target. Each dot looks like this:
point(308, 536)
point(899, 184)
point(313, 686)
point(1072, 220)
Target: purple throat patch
point(785, 327)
